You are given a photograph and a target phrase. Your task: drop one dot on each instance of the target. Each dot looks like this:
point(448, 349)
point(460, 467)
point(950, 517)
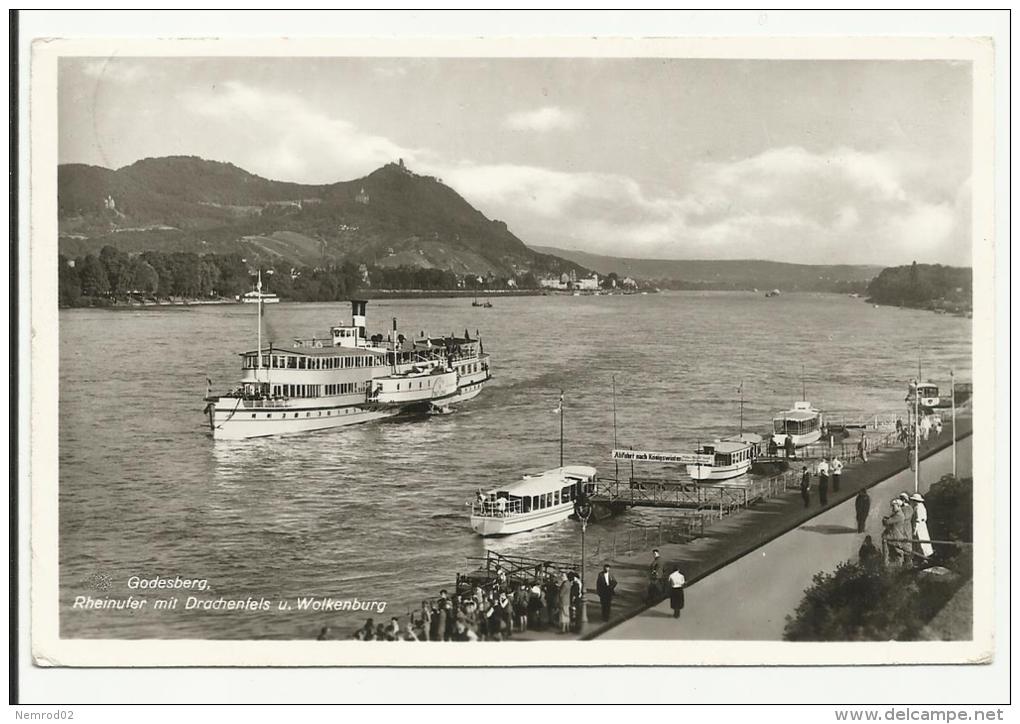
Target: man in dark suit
point(655, 578)
point(606, 587)
point(862, 505)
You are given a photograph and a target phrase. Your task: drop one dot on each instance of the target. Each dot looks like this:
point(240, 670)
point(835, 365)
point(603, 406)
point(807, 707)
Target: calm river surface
point(377, 511)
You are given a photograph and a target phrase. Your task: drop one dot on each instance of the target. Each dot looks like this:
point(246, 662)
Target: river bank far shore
point(481, 296)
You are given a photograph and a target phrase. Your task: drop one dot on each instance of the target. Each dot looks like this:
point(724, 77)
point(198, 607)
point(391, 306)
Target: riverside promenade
point(749, 598)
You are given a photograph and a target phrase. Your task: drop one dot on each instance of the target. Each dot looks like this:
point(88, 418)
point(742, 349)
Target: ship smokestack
point(358, 317)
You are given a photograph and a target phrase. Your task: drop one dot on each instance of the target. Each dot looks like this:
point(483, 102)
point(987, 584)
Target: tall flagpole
point(561, 428)
point(741, 389)
point(952, 394)
point(616, 445)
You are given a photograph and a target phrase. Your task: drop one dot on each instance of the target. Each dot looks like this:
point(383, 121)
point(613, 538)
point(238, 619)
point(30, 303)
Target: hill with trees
point(391, 218)
point(924, 286)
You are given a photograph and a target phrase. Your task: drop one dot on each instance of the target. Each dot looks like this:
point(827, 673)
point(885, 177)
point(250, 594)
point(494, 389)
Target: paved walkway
point(750, 598)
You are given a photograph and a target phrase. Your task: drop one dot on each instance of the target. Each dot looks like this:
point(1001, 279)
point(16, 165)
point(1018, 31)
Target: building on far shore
point(588, 284)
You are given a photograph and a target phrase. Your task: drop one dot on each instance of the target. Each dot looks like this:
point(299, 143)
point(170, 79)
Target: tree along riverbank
point(938, 288)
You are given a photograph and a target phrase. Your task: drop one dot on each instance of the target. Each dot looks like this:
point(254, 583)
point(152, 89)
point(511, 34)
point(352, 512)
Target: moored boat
point(730, 457)
point(533, 502)
point(256, 295)
point(802, 424)
point(927, 393)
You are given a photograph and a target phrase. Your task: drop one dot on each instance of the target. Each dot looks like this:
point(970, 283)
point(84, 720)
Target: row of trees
point(115, 275)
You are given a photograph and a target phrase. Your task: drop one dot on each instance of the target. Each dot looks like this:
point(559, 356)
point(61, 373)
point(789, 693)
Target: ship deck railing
point(249, 402)
point(491, 509)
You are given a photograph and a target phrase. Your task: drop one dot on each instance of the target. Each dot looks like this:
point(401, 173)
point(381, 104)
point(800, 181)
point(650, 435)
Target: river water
point(379, 511)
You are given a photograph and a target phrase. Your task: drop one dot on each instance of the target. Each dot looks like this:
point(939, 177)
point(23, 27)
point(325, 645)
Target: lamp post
point(583, 509)
point(917, 434)
point(952, 396)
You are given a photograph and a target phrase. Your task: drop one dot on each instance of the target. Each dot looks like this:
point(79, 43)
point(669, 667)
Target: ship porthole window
point(253, 415)
point(271, 414)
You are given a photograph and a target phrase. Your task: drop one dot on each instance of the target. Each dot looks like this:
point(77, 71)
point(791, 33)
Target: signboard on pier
point(663, 457)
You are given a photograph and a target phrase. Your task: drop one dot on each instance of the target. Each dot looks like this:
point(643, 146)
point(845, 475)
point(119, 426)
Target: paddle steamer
point(344, 379)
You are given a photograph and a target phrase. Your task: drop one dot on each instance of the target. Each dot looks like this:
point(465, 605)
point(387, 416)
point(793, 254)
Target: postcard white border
point(49, 649)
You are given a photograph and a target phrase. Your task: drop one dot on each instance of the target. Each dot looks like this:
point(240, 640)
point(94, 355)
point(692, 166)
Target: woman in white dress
point(921, 525)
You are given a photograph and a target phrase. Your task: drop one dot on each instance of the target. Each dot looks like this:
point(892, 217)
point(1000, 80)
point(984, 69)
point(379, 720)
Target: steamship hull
point(230, 421)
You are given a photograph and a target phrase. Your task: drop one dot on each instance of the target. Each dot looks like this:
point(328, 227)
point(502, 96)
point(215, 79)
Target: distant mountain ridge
point(392, 217)
point(726, 273)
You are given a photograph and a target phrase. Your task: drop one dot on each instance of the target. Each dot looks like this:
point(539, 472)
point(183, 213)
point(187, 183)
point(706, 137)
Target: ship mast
point(561, 428)
point(741, 390)
point(559, 409)
point(258, 354)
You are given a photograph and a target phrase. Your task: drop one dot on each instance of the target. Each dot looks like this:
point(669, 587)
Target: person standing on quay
point(791, 449)
point(805, 487)
point(655, 576)
point(676, 591)
point(576, 599)
point(837, 471)
point(564, 598)
point(868, 555)
point(823, 482)
point(921, 533)
point(606, 588)
point(862, 505)
point(908, 523)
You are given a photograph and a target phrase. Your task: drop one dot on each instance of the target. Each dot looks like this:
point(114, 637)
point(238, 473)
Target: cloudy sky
point(834, 162)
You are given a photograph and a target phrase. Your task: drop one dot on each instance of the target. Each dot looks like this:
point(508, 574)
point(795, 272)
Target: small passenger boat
point(802, 424)
point(256, 295)
point(533, 502)
point(730, 457)
point(927, 392)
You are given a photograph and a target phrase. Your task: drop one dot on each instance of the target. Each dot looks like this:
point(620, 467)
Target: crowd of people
point(828, 469)
point(905, 537)
point(494, 613)
point(929, 426)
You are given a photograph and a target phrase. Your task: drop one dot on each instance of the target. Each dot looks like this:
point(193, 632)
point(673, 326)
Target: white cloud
point(548, 118)
point(785, 203)
point(280, 136)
